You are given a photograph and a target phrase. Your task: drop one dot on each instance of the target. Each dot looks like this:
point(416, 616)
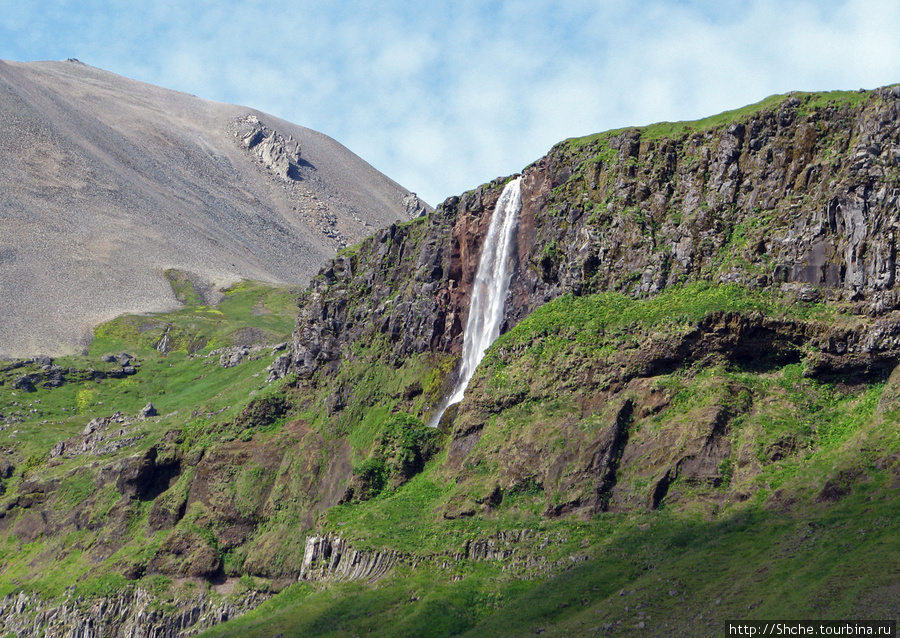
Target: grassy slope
point(673, 130)
point(682, 573)
point(773, 555)
point(684, 569)
point(190, 391)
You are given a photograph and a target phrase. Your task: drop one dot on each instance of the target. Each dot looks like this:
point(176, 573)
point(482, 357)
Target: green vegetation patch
point(593, 319)
point(249, 313)
point(808, 102)
point(402, 448)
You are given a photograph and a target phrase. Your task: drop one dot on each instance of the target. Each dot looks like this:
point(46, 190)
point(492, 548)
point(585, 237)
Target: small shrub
point(406, 444)
point(263, 412)
point(370, 478)
point(401, 450)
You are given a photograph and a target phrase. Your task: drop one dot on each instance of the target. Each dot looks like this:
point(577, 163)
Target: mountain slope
point(691, 415)
point(106, 182)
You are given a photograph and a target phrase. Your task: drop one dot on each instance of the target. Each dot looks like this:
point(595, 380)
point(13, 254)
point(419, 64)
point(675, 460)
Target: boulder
point(186, 553)
point(280, 367)
point(234, 357)
point(25, 384)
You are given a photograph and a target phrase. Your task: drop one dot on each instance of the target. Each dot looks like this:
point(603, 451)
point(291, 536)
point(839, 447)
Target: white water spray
point(495, 269)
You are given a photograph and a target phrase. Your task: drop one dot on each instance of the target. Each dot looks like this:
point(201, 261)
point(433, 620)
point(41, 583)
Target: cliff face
point(800, 195)
point(803, 192)
point(129, 614)
point(794, 200)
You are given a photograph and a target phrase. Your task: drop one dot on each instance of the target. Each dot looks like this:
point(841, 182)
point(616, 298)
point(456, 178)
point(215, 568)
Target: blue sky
point(442, 96)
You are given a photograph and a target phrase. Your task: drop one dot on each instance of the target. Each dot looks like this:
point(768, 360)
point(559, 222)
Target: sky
point(443, 96)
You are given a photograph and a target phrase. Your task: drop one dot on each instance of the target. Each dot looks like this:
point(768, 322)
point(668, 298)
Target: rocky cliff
point(130, 614)
point(799, 193)
point(794, 200)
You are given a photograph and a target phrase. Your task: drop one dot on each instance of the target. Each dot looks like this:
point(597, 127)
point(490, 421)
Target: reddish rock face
point(466, 239)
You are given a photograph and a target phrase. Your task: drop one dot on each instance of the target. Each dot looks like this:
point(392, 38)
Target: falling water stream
point(495, 269)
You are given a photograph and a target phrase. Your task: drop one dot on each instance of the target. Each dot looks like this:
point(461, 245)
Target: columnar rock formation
point(329, 557)
point(130, 614)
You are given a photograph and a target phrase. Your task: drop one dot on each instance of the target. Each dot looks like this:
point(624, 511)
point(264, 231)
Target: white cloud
point(445, 95)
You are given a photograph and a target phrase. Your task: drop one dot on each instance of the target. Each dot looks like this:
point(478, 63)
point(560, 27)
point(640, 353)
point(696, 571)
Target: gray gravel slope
point(105, 182)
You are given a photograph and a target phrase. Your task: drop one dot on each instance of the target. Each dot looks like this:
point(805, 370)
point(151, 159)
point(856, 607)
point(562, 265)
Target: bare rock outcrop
point(133, 613)
point(103, 435)
point(278, 154)
point(329, 557)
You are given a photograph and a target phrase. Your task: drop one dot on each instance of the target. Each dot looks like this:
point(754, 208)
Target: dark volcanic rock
point(186, 553)
point(145, 477)
point(799, 199)
point(25, 384)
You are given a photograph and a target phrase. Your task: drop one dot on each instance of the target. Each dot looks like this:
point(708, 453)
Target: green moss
point(249, 485)
point(183, 287)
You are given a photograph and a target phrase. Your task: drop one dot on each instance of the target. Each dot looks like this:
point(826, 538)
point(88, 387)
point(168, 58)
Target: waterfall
point(163, 345)
point(488, 298)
